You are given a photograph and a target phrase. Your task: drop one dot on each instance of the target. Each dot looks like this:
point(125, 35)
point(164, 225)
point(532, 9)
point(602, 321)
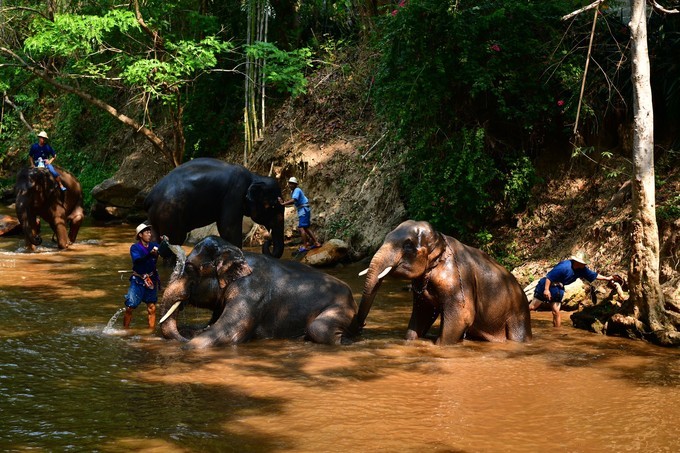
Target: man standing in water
point(550, 289)
point(144, 281)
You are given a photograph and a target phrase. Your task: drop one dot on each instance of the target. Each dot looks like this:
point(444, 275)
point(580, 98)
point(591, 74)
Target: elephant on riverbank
point(206, 190)
point(38, 195)
point(255, 296)
point(475, 297)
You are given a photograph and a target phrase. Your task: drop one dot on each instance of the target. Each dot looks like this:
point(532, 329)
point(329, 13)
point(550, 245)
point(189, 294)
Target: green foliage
point(670, 210)
point(81, 151)
point(519, 180)
point(284, 70)
point(453, 73)
point(449, 186)
point(455, 67)
point(77, 36)
point(342, 228)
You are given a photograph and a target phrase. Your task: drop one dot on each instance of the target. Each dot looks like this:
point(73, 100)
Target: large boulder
point(123, 194)
point(330, 253)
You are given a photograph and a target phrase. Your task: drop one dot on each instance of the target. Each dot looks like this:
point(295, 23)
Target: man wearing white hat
point(304, 213)
point(550, 289)
point(144, 281)
point(42, 154)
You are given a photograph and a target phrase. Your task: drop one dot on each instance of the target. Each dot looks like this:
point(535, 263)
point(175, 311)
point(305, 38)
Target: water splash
point(181, 256)
point(109, 326)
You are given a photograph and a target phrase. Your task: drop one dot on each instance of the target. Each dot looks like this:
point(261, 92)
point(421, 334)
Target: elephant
point(255, 296)
point(207, 190)
point(38, 194)
point(476, 297)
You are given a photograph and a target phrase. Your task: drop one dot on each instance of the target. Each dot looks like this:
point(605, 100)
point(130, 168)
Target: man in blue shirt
point(550, 289)
point(41, 154)
point(144, 281)
point(304, 213)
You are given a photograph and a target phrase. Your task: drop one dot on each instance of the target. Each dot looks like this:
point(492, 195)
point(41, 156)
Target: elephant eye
point(190, 269)
point(409, 246)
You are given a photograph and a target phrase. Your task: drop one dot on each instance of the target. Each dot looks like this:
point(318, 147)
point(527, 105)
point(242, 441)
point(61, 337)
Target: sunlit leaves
point(72, 35)
point(284, 70)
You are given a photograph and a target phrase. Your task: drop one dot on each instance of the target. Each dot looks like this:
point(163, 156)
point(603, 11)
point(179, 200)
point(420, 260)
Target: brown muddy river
point(70, 383)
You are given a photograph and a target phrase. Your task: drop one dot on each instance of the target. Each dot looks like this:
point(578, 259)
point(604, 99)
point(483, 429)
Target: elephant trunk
point(174, 295)
point(380, 266)
point(276, 238)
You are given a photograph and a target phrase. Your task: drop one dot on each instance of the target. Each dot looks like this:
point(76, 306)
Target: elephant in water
point(475, 297)
point(255, 296)
point(206, 190)
point(38, 194)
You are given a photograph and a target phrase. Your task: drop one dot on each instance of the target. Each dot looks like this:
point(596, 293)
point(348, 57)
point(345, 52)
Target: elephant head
point(264, 208)
point(202, 281)
point(407, 252)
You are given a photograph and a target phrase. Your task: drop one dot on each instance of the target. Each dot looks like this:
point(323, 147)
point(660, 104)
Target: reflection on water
point(72, 379)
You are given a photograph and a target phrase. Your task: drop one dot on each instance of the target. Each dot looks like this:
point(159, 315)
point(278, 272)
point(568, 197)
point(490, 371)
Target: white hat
point(141, 227)
point(43, 134)
point(293, 179)
point(579, 258)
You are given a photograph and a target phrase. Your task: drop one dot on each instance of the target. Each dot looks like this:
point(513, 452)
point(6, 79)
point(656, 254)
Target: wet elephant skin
point(206, 190)
point(256, 296)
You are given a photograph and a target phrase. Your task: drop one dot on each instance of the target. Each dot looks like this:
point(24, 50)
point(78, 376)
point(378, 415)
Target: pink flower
point(402, 3)
point(560, 103)
point(394, 13)
point(496, 48)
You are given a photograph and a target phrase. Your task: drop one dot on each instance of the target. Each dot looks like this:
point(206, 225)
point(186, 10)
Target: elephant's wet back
point(65, 384)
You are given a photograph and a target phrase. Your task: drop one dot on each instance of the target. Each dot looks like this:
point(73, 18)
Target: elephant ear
point(231, 265)
point(254, 198)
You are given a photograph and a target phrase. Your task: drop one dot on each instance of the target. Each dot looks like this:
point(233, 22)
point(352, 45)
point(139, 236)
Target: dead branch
point(19, 112)
point(660, 9)
point(585, 8)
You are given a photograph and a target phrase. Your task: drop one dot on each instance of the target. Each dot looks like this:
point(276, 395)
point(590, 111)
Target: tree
point(644, 314)
point(119, 50)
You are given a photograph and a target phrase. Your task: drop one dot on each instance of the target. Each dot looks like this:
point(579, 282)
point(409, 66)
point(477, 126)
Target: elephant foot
point(345, 341)
point(411, 335)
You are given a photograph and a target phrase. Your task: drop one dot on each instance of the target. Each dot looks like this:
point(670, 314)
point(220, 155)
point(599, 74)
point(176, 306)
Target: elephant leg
point(75, 219)
point(230, 228)
point(236, 325)
point(422, 318)
point(457, 318)
point(329, 326)
point(518, 327)
point(59, 226)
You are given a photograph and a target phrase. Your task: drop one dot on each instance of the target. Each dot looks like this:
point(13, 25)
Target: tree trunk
point(646, 298)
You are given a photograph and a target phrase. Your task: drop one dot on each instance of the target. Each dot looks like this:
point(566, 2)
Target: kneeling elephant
point(475, 296)
point(256, 296)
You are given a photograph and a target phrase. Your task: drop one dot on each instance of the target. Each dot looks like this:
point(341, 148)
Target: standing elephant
point(474, 295)
point(256, 296)
point(38, 194)
point(205, 190)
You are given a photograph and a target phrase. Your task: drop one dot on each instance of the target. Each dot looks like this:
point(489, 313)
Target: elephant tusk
point(170, 311)
point(385, 272)
point(364, 272)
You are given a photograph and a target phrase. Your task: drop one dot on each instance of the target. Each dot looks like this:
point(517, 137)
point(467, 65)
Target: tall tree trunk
point(644, 267)
point(645, 311)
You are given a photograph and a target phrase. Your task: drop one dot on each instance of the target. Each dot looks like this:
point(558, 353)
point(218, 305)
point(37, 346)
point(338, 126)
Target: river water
point(70, 383)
